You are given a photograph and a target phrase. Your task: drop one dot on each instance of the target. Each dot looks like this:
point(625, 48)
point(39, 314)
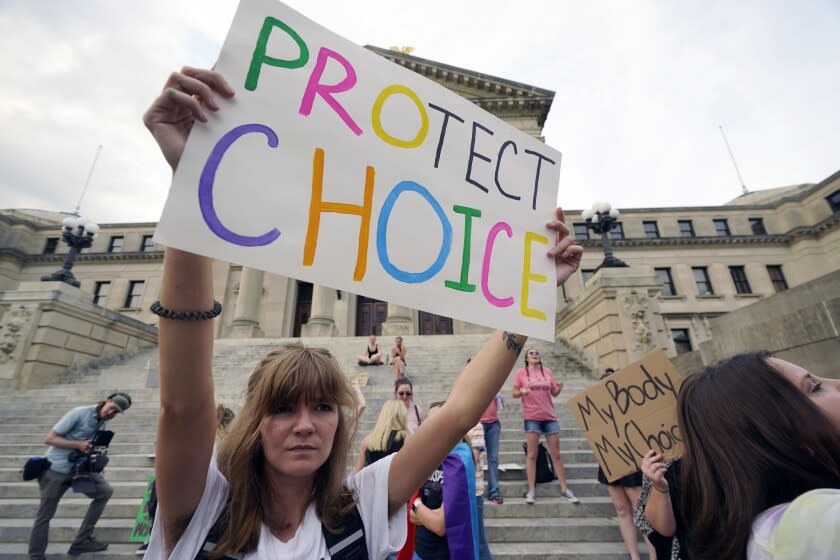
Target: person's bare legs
point(624, 511)
point(399, 367)
point(532, 440)
point(633, 492)
point(554, 449)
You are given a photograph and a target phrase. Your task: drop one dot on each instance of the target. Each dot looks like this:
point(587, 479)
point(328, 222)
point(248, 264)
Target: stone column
point(398, 321)
point(322, 315)
point(246, 318)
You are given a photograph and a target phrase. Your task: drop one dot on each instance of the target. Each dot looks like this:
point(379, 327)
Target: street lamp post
point(603, 218)
point(78, 233)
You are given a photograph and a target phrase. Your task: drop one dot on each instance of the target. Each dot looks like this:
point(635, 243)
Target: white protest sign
point(336, 166)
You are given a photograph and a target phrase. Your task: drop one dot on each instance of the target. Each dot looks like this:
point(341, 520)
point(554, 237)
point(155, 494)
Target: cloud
point(641, 89)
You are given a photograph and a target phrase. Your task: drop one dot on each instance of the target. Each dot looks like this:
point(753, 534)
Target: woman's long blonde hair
point(285, 376)
point(393, 416)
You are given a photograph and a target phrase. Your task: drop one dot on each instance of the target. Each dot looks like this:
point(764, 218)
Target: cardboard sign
point(630, 412)
point(336, 166)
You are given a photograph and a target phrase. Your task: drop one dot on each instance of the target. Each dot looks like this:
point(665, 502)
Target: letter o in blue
point(382, 227)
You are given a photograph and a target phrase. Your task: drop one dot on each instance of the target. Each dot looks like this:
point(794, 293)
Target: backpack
point(349, 544)
point(545, 467)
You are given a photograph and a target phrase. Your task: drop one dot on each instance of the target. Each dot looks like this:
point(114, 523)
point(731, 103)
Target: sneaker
point(530, 497)
point(90, 545)
point(568, 495)
point(498, 500)
point(142, 550)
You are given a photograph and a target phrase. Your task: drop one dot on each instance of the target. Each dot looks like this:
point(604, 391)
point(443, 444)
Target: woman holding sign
point(760, 473)
point(536, 386)
point(279, 488)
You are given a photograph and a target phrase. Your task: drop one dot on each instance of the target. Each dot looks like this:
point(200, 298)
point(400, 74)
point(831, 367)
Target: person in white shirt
point(280, 473)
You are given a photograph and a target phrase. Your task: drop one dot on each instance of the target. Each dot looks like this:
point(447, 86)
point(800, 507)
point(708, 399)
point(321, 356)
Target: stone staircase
point(549, 530)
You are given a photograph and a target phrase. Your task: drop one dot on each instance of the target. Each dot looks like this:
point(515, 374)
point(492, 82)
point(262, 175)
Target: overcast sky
point(641, 88)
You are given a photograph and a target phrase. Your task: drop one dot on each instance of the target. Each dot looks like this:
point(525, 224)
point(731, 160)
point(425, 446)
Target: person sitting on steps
point(372, 355)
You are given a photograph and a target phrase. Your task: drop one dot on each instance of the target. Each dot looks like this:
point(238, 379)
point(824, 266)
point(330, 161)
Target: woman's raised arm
point(187, 422)
point(474, 388)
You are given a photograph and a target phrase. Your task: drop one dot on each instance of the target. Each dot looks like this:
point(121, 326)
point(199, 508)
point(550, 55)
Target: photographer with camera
point(76, 458)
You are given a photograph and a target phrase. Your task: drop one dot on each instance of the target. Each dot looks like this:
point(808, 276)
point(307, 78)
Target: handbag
point(35, 467)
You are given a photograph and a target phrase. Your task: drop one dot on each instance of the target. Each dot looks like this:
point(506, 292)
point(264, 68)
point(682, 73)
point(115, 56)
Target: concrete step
point(564, 531)
point(113, 474)
point(549, 507)
point(551, 529)
point(58, 551)
point(583, 488)
point(562, 551)
point(29, 490)
point(63, 529)
point(501, 551)
point(139, 460)
point(69, 507)
point(30, 449)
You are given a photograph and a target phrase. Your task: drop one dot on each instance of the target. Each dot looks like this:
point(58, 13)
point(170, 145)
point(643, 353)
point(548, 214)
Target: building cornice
point(58, 258)
point(464, 76)
point(19, 221)
point(795, 234)
point(491, 93)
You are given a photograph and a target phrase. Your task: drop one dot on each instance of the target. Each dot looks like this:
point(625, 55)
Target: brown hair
point(752, 440)
point(402, 380)
point(284, 376)
point(525, 359)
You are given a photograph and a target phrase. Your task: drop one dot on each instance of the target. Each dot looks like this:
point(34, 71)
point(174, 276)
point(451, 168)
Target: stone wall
point(616, 319)
point(51, 329)
point(801, 325)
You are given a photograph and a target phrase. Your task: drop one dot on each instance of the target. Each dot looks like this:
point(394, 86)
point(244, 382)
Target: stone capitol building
point(689, 267)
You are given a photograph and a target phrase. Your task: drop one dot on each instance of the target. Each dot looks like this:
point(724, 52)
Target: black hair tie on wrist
point(161, 311)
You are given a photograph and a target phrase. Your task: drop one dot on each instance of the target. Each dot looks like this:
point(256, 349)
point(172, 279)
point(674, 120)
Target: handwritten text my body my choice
point(625, 438)
point(328, 92)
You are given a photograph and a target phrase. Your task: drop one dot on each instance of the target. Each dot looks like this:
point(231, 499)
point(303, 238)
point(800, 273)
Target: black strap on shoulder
point(348, 544)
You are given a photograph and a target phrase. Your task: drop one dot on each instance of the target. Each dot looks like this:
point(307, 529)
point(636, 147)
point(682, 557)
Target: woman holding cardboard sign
point(279, 485)
point(535, 385)
point(760, 473)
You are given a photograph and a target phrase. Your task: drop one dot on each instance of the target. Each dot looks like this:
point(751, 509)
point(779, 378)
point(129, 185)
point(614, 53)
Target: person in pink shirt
point(535, 385)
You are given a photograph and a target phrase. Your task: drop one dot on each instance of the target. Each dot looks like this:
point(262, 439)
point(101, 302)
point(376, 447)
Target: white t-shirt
point(384, 535)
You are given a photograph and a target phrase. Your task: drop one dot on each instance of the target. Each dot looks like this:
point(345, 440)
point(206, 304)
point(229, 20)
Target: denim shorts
point(542, 426)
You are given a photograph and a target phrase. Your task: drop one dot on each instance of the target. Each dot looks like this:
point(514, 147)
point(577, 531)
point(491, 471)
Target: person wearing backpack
point(279, 483)
point(536, 386)
point(71, 437)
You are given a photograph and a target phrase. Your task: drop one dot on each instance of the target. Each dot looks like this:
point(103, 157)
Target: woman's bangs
point(308, 374)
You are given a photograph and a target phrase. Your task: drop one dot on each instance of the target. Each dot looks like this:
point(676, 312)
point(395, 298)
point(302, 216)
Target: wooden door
point(370, 314)
point(434, 324)
point(303, 306)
